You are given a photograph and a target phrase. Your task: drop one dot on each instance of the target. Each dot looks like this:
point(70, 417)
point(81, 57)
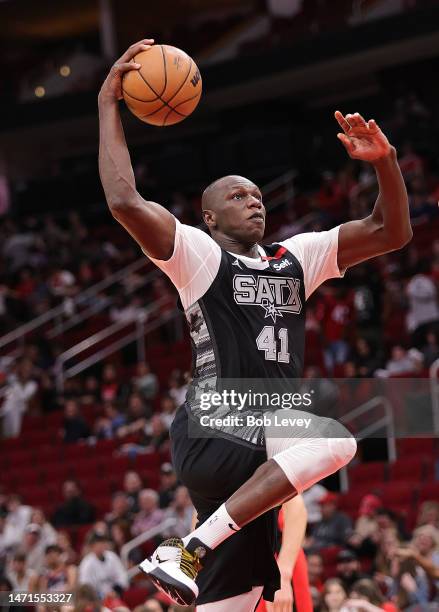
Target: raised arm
point(151, 225)
point(388, 227)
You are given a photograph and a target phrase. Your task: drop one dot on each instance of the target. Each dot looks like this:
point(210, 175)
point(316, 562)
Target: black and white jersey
point(247, 316)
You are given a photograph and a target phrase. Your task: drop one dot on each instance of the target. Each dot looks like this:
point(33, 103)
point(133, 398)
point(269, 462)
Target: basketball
point(167, 87)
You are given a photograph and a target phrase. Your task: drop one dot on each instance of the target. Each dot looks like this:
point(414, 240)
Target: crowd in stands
point(378, 564)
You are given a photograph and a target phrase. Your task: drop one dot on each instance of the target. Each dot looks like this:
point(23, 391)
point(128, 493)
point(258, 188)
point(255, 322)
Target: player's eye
point(237, 196)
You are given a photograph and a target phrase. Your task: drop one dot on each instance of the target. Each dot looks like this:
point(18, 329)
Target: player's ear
point(209, 218)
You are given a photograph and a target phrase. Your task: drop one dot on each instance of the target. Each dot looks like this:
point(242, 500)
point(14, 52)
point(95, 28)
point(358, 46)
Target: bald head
point(234, 213)
point(212, 194)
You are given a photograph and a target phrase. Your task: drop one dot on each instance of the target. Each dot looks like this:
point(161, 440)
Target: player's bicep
point(360, 240)
point(151, 226)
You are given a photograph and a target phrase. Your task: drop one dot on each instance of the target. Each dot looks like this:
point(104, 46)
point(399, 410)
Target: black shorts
point(213, 469)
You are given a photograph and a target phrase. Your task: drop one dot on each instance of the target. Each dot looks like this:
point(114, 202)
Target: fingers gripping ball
point(167, 87)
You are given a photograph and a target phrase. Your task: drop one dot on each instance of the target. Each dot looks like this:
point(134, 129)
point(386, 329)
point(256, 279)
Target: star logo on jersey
point(195, 323)
point(270, 310)
point(237, 264)
point(276, 295)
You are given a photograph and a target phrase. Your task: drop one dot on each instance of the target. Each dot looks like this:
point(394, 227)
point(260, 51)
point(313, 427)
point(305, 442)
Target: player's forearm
point(391, 213)
point(115, 167)
point(295, 518)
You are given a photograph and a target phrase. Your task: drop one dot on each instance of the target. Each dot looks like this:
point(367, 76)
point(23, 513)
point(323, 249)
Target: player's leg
point(212, 469)
point(246, 602)
point(294, 464)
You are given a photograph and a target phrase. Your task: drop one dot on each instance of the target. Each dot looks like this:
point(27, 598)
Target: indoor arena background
point(94, 355)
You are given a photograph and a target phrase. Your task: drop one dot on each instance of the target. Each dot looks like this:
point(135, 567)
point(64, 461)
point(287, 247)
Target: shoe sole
point(179, 592)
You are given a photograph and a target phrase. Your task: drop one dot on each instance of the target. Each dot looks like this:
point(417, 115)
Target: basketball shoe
point(173, 568)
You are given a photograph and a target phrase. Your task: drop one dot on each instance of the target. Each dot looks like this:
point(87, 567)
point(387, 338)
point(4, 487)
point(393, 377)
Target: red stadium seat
point(429, 491)
point(398, 493)
point(412, 467)
point(370, 472)
point(135, 596)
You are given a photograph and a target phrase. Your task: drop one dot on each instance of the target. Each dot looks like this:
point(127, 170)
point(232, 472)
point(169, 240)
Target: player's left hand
point(362, 139)
point(283, 598)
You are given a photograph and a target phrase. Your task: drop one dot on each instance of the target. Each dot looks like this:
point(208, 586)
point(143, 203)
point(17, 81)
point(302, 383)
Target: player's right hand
point(112, 86)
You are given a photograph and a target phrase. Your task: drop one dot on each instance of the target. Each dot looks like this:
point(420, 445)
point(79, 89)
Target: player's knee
point(343, 449)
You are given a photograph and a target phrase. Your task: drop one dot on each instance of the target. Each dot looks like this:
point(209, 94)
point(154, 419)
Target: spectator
point(48, 533)
point(86, 600)
point(181, 510)
point(101, 568)
point(428, 514)
point(74, 426)
point(108, 426)
point(33, 547)
point(168, 484)
point(91, 392)
point(137, 415)
point(348, 568)
point(400, 362)
point(132, 485)
point(64, 542)
point(423, 305)
point(364, 358)
point(335, 526)
point(155, 435)
point(409, 585)
point(109, 385)
point(56, 574)
point(149, 515)
point(315, 571)
point(18, 574)
point(336, 314)
point(20, 390)
point(365, 596)
point(430, 350)
point(334, 596)
point(366, 525)
point(145, 382)
point(177, 388)
point(17, 519)
point(120, 510)
point(167, 410)
point(75, 510)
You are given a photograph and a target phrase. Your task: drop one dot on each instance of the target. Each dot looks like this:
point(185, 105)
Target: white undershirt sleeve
point(194, 263)
point(317, 254)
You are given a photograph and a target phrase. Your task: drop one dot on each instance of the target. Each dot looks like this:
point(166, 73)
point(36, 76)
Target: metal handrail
point(55, 313)
point(386, 421)
point(79, 299)
point(140, 539)
point(434, 387)
point(103, 334)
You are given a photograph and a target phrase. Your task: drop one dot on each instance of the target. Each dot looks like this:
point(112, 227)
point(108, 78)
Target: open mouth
point(259, 216)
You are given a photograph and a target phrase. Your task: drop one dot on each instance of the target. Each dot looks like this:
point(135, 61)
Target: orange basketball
point(166, 89)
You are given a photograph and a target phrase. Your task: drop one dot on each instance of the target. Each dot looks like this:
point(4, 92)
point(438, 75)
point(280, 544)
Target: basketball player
point(245, 306)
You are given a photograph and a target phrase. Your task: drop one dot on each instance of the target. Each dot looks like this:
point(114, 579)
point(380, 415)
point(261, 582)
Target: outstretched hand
point(112, 86)
point(362, 139)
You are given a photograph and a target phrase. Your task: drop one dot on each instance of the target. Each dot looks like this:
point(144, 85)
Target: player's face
point(240, 211)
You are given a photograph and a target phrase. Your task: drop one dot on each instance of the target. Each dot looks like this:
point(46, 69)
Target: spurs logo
point(276, 295)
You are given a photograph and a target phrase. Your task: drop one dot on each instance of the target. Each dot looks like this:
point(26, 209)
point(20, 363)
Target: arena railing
point(139, 540)
point(386, 421)
point(56, 316)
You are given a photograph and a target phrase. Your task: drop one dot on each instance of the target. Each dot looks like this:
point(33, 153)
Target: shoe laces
point(189, 563)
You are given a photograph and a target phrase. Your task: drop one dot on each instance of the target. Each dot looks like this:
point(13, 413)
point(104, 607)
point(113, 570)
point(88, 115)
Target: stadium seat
point(370, 472)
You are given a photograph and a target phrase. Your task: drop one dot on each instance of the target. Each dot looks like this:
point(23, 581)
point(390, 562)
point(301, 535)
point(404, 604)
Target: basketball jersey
point(246, 315)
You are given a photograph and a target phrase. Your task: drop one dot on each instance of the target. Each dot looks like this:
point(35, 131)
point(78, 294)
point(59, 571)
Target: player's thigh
point(246, 602)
